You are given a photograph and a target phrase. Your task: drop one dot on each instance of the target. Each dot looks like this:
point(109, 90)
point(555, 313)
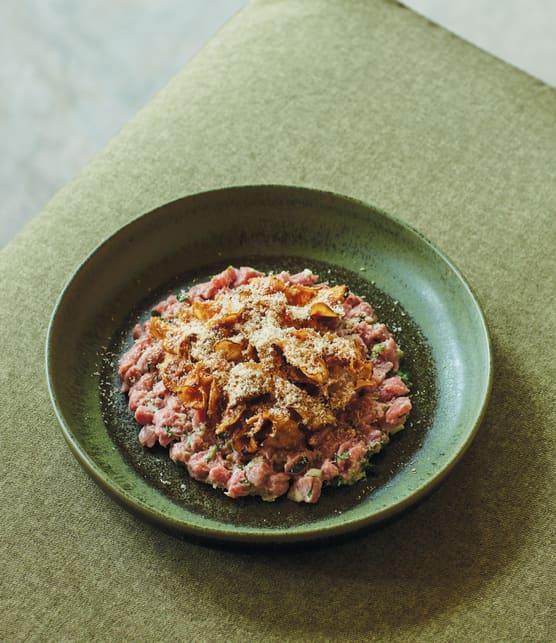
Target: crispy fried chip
point(205, 310)
point(230, 350)
point(159, 327)
point(193, 397)
point(231, 416)
point(320, 309)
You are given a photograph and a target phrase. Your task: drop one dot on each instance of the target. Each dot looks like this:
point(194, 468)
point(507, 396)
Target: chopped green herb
point(405, 378)
point(169, 431)
point(377, 349)
point(182, 296)
point(299, 465)
point(211, 453)
point(245, 482)
point(342, 456)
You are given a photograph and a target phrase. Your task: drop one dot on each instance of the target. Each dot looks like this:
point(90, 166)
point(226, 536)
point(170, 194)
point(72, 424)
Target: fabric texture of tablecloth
point(367, 99)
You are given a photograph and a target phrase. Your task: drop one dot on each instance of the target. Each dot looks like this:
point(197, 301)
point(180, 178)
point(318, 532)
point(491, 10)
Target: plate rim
point(253, 535)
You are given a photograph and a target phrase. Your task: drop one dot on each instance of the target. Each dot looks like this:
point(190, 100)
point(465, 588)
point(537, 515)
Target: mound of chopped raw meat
point(266, 384)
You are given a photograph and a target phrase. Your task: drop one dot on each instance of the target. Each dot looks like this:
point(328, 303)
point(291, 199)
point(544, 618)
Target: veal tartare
point(266, 384)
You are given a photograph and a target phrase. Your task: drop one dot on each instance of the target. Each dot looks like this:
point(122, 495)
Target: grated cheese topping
point(271, 347)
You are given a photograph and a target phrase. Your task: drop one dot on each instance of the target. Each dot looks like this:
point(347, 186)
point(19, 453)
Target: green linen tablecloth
point(366, 99)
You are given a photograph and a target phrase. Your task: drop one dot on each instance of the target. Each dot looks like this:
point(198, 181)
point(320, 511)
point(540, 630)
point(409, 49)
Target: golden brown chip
point(159, 327)
point(300, 295)
point(317, 371)
point(225, 320)
point(205, 310)
point(214, 396)
point(231, 416)
point(230, 350)
point(338, 293)
point(286, 435)
point(320, 309)
point(193, 397)
point(360, 384)
point(174, 371)
point(242, 441)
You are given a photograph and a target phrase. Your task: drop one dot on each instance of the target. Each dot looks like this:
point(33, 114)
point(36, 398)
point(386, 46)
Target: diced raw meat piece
point(398, 411)
point(238, 484)
point(392, 387)
point(245, 274)
point(219, 475)
point(147, 436)
point(305, 489)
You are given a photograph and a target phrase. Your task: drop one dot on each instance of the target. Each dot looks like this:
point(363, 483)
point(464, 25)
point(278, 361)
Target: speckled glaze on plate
point(414, 288)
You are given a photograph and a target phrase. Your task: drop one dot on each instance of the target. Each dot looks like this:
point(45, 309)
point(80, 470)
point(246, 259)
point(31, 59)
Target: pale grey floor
point(72, 72)
point(521, 32)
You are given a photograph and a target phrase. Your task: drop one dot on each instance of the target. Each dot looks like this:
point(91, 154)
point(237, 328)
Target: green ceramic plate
point(413, 287)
